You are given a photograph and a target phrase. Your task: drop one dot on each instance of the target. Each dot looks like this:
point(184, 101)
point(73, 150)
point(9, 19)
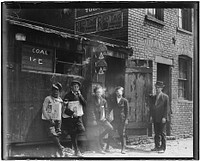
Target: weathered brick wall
point(149, 40)
point(182, 118)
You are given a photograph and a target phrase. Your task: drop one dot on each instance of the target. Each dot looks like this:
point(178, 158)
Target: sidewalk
point(179, 148)
point(175, 148)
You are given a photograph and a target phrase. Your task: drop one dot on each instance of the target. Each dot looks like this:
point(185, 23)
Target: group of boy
point(56, 112)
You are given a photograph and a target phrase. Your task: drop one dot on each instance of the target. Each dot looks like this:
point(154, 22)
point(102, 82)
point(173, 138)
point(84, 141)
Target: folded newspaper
point(76, 107)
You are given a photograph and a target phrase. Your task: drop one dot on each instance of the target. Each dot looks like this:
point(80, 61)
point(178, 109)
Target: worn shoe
point(78, 154)
point(154, 149)
point(123, 152)
point(101, 152)
point(60, 153)
point(107, 150)
point(161, 151)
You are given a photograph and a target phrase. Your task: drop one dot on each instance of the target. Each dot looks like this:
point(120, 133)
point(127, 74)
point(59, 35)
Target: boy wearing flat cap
point(51, 115)
point(159, 115)
point(72, 119)
point(120, 107)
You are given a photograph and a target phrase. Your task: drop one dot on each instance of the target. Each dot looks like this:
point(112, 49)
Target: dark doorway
point(115, 73)
point(164, 74)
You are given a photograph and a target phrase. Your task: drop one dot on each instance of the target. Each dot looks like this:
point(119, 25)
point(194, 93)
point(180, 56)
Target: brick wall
point(149, 40)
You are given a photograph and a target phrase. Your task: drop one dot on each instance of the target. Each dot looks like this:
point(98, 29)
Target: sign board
point(101, 22)
point(86, 25)
point(37, 58)
point(109, 21)
point(89, 11)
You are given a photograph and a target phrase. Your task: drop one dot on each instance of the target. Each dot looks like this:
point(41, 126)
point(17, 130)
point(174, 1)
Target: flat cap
point(57, 86)
point(76, 82)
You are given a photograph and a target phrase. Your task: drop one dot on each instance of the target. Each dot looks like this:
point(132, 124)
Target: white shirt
point(118, 99)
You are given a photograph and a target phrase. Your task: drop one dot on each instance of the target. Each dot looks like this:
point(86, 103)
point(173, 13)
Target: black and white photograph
point(99, 80)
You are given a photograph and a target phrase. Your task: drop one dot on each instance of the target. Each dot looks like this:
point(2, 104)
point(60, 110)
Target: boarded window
point(185, 19)
point(158, 13)
point(185, 75)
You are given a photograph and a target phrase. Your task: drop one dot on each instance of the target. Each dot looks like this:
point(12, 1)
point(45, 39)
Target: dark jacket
point(160, 109)
point(94, 113)
point(72, 97)
point(120, 110)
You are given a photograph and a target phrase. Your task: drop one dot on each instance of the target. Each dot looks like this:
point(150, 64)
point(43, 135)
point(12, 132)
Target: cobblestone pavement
point(178, 148)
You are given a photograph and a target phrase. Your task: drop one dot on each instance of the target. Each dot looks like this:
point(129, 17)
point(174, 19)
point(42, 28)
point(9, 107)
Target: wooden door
point(137, 87)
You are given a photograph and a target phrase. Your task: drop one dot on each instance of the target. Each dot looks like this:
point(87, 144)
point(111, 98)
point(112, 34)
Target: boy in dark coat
point(120, 107)
point(72, 121)
point(159, 115)
point(97, 114)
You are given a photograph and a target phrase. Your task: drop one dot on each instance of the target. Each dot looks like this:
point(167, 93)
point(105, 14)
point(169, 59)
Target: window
point(68, 63)
point(158, 13)
point(185, 81)
point(185, 19)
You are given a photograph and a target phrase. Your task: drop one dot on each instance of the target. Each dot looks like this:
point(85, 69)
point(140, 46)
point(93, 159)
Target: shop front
point(36, 57)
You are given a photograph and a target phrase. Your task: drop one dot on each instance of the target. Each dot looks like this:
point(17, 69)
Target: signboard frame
point(36, 58)
point(93, 13)
point(97, 17)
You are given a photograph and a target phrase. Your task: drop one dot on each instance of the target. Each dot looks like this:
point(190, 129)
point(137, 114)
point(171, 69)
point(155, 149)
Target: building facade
point(127, 47)
point(39, 52)
point(162, 44)
point(166, 38)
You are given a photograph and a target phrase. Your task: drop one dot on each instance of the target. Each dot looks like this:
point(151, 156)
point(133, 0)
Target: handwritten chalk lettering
point(39, 51)
point(36, 60)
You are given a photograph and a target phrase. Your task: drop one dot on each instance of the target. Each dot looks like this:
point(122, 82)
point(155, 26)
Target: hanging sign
point(101, 71)
point(101, 55)
point(100, 66)
point(37, 58)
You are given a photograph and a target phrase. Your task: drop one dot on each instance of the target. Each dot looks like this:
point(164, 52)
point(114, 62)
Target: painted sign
point(87, 25)
point(106, 21)
point(110, 21)
point(37, 58)
point(89, 11)
point(154, 44)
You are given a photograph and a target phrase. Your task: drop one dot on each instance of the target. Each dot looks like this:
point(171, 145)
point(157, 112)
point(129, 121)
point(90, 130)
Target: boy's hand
point(163, 120)
point(126, 122)
point(94, 123)
point(74, 115)
point(151, 120)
